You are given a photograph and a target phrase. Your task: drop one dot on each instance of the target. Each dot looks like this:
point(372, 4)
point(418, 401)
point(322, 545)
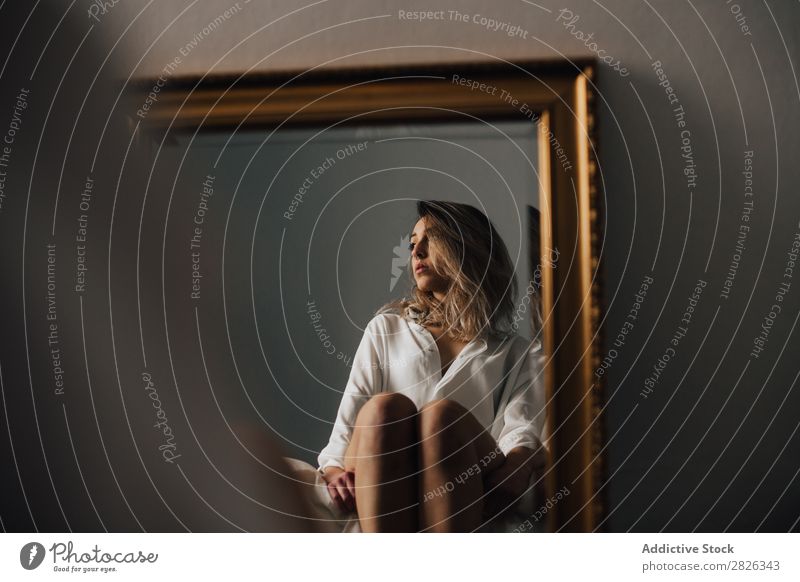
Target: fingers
point(344, 494)
point(342, 491)
point(335, 497)
point(350, 483)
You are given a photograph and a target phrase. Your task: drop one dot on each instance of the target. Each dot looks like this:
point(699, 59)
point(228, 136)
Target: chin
point(423, 282)
point(425, 285)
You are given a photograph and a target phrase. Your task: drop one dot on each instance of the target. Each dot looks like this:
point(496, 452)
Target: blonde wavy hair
point(468, 252)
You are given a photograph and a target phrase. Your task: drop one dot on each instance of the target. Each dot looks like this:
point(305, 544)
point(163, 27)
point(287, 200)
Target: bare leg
point(383, 456)
point(455, 454)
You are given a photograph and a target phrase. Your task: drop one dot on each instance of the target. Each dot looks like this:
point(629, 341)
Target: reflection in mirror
point(289, 201)
point(315, 226)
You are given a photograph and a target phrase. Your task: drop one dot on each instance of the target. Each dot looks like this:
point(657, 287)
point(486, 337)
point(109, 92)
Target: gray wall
point(695, 442)
point(714, 446)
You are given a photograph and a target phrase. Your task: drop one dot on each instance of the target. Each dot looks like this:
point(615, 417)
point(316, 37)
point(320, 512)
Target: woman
point(440, 425)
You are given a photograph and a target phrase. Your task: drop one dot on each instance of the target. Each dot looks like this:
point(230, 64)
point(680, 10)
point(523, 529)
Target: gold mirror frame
point(560, 94)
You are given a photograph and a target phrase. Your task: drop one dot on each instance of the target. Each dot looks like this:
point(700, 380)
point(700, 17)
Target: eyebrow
point(413, 234)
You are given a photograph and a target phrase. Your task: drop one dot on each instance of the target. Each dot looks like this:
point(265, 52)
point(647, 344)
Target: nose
point(419, 250)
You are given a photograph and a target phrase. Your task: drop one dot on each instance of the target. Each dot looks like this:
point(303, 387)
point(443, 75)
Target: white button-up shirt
point(500, 381)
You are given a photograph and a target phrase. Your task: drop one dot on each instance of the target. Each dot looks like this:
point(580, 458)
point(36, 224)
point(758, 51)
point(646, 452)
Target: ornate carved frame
point(558, 97)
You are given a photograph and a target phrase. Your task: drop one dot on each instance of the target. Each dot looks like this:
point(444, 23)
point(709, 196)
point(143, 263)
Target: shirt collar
point(478, 344)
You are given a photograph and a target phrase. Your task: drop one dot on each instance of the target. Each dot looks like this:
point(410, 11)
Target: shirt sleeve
point(366, 380)
point(523, 414)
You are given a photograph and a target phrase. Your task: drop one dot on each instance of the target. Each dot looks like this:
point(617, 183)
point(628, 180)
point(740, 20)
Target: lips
point(420, 268)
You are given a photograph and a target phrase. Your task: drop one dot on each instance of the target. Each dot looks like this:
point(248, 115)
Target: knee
point(387, 420)
point(440, 419)
point(386, 409)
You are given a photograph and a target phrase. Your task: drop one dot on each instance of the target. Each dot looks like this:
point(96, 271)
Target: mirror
point(289, 200)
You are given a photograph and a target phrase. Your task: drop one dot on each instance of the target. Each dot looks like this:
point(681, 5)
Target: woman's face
point(423, 262)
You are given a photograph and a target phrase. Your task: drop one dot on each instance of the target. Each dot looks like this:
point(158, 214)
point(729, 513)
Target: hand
point(341, 488)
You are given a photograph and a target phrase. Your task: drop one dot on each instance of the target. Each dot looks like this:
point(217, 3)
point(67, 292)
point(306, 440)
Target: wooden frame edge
point(561, 93)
